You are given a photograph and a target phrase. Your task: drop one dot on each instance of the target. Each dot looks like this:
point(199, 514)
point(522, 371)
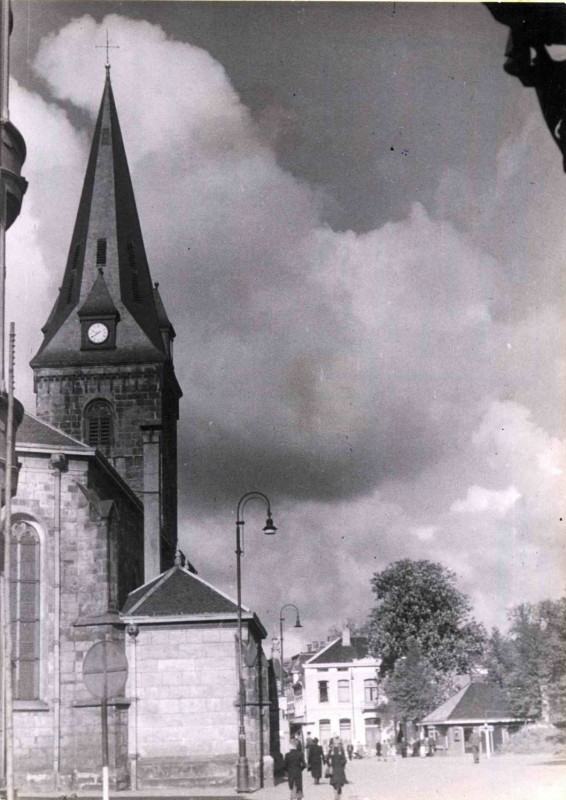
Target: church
point(94, 553)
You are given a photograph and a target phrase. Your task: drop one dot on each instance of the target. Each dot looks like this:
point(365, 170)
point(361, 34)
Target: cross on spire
point(108, 47)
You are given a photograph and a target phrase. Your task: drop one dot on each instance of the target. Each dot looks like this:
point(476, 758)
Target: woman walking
point(316, 757)
point(337, 763)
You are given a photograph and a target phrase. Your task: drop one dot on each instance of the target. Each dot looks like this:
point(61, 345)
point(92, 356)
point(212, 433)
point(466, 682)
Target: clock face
point(98, 333)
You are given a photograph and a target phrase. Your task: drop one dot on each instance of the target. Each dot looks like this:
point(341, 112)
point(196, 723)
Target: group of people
point(313, 759)
point(414, 747)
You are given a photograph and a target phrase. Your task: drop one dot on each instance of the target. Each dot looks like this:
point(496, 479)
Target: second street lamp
point(243, 767)
point(296, 625)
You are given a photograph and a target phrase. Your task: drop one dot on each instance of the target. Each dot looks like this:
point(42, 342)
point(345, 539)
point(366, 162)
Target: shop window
point(346, 730)
point(324, 732)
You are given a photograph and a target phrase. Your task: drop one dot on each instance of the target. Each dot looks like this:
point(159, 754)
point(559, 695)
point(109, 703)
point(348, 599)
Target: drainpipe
point(58, 463)
point(133, 631)
point(151, 501)
point(352, 700)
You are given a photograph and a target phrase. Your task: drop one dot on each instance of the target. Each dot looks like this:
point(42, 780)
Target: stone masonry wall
point(135, 393)
point(187, 717)
point(186, 684)
point(85, 591)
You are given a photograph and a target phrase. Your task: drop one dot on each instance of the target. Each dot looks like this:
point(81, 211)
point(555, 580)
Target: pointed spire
point(107, 234)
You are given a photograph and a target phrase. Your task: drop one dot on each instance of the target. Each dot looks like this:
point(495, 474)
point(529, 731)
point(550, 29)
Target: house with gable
point(477, 705)
point(335, 692)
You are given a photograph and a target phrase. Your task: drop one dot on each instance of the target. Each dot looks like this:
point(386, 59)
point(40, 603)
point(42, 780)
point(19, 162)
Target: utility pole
point(7, 615)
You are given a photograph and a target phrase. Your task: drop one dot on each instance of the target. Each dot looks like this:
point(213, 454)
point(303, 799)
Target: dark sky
point(356, 220)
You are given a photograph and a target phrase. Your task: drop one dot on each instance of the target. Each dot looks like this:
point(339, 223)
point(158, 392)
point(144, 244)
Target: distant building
point(336, 693)
point(477, 705)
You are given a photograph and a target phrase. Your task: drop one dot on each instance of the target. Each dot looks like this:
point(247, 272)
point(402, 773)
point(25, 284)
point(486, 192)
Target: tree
point(417, 601)
point(530, 664)
point(499, 659)
point(414, 688)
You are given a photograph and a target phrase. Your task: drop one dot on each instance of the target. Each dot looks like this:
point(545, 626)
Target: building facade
point(335, 693)
point(77, 551)
point(182, 648)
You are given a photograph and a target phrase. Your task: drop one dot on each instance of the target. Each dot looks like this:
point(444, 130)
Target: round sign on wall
point(105, 670)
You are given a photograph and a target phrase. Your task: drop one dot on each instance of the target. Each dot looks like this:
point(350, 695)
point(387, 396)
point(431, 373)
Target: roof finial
point(101, 272)
point(108, 47)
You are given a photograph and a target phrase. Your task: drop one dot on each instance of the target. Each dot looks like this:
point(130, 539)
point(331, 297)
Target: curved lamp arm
point(243, 503)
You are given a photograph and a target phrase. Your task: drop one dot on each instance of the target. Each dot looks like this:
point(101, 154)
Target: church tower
point(104, 373)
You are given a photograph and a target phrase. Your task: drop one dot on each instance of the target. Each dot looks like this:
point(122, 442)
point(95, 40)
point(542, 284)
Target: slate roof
point(476, 701)
point(34, 431)
point(98, 301)
point(337, 653)
point(162, 318)
point(178, 592)
point(107, 212)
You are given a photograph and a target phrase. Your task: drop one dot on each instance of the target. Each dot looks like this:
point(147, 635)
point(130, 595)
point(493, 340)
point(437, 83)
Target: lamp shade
point(269, 527)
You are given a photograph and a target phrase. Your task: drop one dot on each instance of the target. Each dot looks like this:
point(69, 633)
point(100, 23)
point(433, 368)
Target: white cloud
point(479, 499)
point(425, 532)
point(317, 364)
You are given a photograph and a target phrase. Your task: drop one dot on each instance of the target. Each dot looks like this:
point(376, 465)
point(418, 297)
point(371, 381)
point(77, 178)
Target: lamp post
point(296, 625)
point(243, 768)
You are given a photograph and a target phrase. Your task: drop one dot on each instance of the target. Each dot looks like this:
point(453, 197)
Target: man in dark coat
point(316, 758)
point(294, 765)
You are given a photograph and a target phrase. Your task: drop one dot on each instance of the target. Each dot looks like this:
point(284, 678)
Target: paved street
point(503, 778)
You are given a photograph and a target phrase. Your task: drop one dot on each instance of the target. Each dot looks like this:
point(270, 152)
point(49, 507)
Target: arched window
point(24, 608)
point(324, 732)
point(98, 423)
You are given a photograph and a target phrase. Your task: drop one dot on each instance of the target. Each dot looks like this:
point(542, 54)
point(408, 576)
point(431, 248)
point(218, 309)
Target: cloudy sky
point(357, 221)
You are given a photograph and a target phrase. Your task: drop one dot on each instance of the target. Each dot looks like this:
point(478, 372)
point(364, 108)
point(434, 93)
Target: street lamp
point(296, 625)
point(243, 768)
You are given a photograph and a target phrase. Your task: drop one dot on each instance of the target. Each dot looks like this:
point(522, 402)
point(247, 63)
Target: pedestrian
point(337, 765)
point(378, 749)
point(350, 750)
point(316, 757)
point(308, 743)
point(330, 747)
point(431, 745)
point(475, 743)
point(294, 765)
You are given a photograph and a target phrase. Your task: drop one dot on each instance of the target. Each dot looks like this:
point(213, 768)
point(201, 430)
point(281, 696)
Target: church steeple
point(104, 372)
point(107, 235)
